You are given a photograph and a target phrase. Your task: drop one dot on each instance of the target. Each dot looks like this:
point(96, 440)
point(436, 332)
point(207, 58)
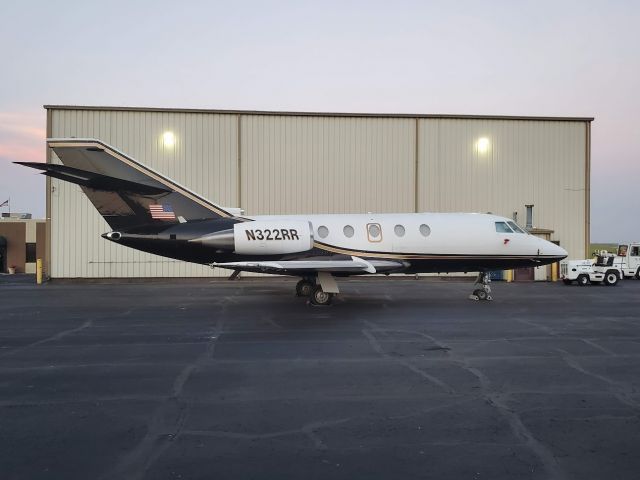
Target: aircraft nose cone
point(556, 250)
point(549, 249)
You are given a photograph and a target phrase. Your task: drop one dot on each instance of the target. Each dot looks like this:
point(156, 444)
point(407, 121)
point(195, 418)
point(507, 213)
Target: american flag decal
point(162, 212)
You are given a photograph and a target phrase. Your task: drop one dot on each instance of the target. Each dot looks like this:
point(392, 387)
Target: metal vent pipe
point(529, 216)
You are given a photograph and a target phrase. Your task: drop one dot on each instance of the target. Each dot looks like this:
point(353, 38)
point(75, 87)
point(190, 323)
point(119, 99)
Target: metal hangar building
point(301, 162)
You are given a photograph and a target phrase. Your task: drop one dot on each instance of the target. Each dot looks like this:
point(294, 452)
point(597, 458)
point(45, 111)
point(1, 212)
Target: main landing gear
point(482, 289)
point(320, 289)
point(305, 287)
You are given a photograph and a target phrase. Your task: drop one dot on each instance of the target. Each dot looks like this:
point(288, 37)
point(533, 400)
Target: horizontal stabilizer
point(93, 180)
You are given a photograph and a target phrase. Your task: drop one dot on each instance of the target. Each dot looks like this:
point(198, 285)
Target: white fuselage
point(408, 234)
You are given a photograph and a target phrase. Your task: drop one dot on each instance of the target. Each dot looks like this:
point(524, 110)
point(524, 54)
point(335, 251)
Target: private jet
point(150, 212)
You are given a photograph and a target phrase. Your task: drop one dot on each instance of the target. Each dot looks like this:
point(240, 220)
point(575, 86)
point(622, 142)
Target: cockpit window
point(502, 227)
point(515, 227)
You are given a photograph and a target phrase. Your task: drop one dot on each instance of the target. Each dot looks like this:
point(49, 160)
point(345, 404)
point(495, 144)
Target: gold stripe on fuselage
point(416, 256)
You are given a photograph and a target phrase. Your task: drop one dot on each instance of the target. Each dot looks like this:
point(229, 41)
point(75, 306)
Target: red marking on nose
point(506, 240)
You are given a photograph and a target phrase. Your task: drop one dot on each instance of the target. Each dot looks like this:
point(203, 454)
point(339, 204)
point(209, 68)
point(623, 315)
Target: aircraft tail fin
point(127, 193)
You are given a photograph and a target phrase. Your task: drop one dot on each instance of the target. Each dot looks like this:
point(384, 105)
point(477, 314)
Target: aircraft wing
point(352, 265)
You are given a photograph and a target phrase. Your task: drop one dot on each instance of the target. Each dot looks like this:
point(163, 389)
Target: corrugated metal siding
point(528, 162)
point(204, 158)
point(327, 165)
point(323, 164)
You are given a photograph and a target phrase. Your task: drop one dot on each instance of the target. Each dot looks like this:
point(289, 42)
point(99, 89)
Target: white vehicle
point(584, 272)
point(629, 259)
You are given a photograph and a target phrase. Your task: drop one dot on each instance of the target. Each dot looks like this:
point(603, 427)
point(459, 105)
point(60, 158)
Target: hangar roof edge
point(319, 114)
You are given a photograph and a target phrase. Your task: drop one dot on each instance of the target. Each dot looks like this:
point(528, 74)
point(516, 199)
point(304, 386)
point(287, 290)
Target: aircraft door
point(374, 232)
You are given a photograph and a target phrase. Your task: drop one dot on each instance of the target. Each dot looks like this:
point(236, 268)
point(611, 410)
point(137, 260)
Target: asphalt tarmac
point(399, 379)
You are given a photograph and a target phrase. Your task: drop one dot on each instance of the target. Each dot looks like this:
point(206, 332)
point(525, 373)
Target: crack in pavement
point(64, 333)
point(52, 338)
point(544, 328)
point(519, 429)
point(378, 349)
point(308, 429)
point(599, 347)
point(621, 391)
point(158, 438)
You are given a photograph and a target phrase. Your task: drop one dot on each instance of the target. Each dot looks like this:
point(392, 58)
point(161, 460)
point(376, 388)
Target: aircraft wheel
point(481, 294)
point(304, 288)
point(566, 281)
point(583, 280)
point(611, 278)
point(320, 297)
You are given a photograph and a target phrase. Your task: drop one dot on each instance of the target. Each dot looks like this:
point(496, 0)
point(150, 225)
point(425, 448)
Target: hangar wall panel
point(299, 164)
point(527, 162)
point(204, 158)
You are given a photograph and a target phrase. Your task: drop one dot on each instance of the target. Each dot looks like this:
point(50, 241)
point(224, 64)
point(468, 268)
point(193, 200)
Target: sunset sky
point(548, 58)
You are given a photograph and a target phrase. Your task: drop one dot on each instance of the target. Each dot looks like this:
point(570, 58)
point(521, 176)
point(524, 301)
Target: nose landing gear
point(482, 290)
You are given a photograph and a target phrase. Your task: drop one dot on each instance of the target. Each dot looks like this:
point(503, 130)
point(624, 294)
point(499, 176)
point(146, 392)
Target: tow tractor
point(603, 270)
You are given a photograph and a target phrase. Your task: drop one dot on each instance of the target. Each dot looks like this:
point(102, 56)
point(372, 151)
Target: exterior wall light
point(168, 139)
point(483, 145)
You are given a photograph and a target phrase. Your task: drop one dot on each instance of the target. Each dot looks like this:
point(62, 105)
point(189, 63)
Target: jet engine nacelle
point(272, 237)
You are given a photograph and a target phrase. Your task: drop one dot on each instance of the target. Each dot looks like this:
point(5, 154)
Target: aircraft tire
point(304, 288)
point(481, 294)
point(320, 298)
point(583, 280)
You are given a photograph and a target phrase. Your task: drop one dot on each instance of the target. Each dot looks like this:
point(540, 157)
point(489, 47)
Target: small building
point(22, 242)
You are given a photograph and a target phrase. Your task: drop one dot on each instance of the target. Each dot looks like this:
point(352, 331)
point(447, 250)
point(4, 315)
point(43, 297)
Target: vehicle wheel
point(583, 280)
point(304, 288)
point(481, 294)
point(566, 281)
point(638, 274)
point(611, 278)
point(320, 297)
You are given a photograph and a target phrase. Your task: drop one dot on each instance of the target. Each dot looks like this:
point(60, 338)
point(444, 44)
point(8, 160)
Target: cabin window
point(514, 226)
point(374, 232)
point(635, 251)
point(399, 230)
point(502, 227)
point(425, 230)
point(348, 231)
point(323, 231)
point(622, 250)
